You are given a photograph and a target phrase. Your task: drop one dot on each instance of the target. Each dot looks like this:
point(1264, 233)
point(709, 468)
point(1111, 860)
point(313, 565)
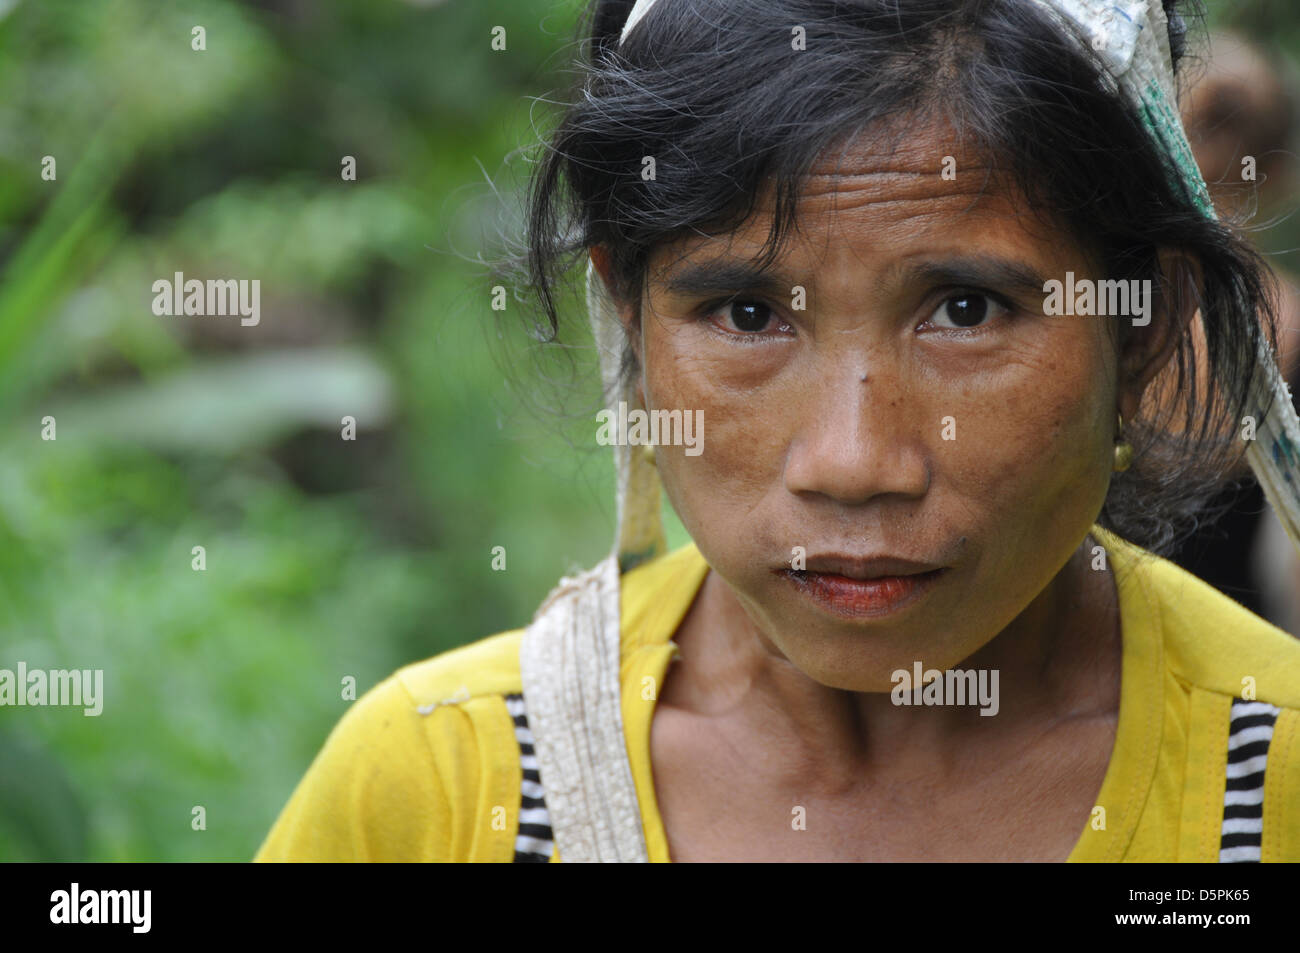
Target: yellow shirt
point(427, 765)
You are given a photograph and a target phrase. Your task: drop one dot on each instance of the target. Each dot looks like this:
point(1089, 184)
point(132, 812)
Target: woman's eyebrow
point(702, 279)
point(705, 278)
point(979, 270)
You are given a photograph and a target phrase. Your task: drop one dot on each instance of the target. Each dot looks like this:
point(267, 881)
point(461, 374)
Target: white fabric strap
point(640, 533)
point(569, 660)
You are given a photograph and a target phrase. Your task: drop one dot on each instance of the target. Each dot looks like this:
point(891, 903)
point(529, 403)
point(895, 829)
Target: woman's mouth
point(859, 598)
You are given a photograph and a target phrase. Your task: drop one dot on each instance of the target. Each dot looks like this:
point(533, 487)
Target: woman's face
point(919, 408)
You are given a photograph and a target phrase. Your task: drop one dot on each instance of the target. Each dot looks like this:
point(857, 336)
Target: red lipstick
point(863, 588)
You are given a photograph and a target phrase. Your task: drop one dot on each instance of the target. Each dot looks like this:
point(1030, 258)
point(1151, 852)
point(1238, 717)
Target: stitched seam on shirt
point(1215, 765)
point(1189, 690)
point(1150, 739)
point(496, 790)
point(1214, 796)
point(1275, 783)
point(433, 760)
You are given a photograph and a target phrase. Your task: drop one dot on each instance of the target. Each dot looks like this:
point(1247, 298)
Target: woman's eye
point(747, 317)
point(966, 310)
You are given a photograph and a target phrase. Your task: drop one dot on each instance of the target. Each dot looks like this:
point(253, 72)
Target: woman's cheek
point(1033, 461)
point(740, 451)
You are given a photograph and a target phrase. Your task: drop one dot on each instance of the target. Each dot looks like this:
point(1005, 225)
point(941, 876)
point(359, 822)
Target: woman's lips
point(862, 598)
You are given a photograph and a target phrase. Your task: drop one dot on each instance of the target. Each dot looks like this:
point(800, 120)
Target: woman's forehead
point(900, 163)
point(882, 209)
point(895, 191)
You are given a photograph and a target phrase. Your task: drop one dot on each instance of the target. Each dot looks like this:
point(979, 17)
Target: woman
point(914, 623)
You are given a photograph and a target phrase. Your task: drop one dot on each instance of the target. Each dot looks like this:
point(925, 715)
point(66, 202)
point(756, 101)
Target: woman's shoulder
point(1209, 640)
point(1212, 693)
point(415, 768)
point(428, 705)
point(433, 763)
point(488, 666)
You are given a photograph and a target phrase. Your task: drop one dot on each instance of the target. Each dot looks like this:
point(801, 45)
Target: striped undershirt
point(535, 841)
point(1250, 729)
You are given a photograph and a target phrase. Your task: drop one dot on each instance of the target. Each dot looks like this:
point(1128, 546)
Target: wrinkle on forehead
point(902, 164)
point(895, 166)
point(904, 160)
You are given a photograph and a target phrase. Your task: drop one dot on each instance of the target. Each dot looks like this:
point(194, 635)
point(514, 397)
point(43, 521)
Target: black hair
point(716, 90)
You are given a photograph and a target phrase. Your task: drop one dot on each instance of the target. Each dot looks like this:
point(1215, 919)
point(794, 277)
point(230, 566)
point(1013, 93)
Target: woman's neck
point(1059, 659)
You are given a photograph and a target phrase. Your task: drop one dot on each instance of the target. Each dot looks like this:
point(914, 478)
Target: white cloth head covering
point(570, 655)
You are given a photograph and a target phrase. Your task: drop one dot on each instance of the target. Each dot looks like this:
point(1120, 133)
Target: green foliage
point(325, 558)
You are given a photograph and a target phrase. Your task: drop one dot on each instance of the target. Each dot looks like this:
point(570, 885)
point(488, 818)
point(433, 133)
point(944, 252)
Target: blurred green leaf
point(40, 812)
point(220, 407)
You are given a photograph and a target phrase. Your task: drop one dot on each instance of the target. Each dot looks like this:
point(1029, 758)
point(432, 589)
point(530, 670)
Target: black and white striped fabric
point(535, 840)
point(1249, 733)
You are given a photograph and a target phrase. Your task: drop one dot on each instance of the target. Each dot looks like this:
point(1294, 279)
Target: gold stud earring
point(648, 454)
point(1123, 449)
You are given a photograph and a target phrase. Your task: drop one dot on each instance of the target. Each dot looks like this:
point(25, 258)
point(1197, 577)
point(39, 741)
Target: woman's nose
point(862, 440)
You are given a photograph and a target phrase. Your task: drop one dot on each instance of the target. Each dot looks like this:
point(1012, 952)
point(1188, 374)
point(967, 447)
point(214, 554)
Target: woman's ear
point(600, 260)
point(1146, 349)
